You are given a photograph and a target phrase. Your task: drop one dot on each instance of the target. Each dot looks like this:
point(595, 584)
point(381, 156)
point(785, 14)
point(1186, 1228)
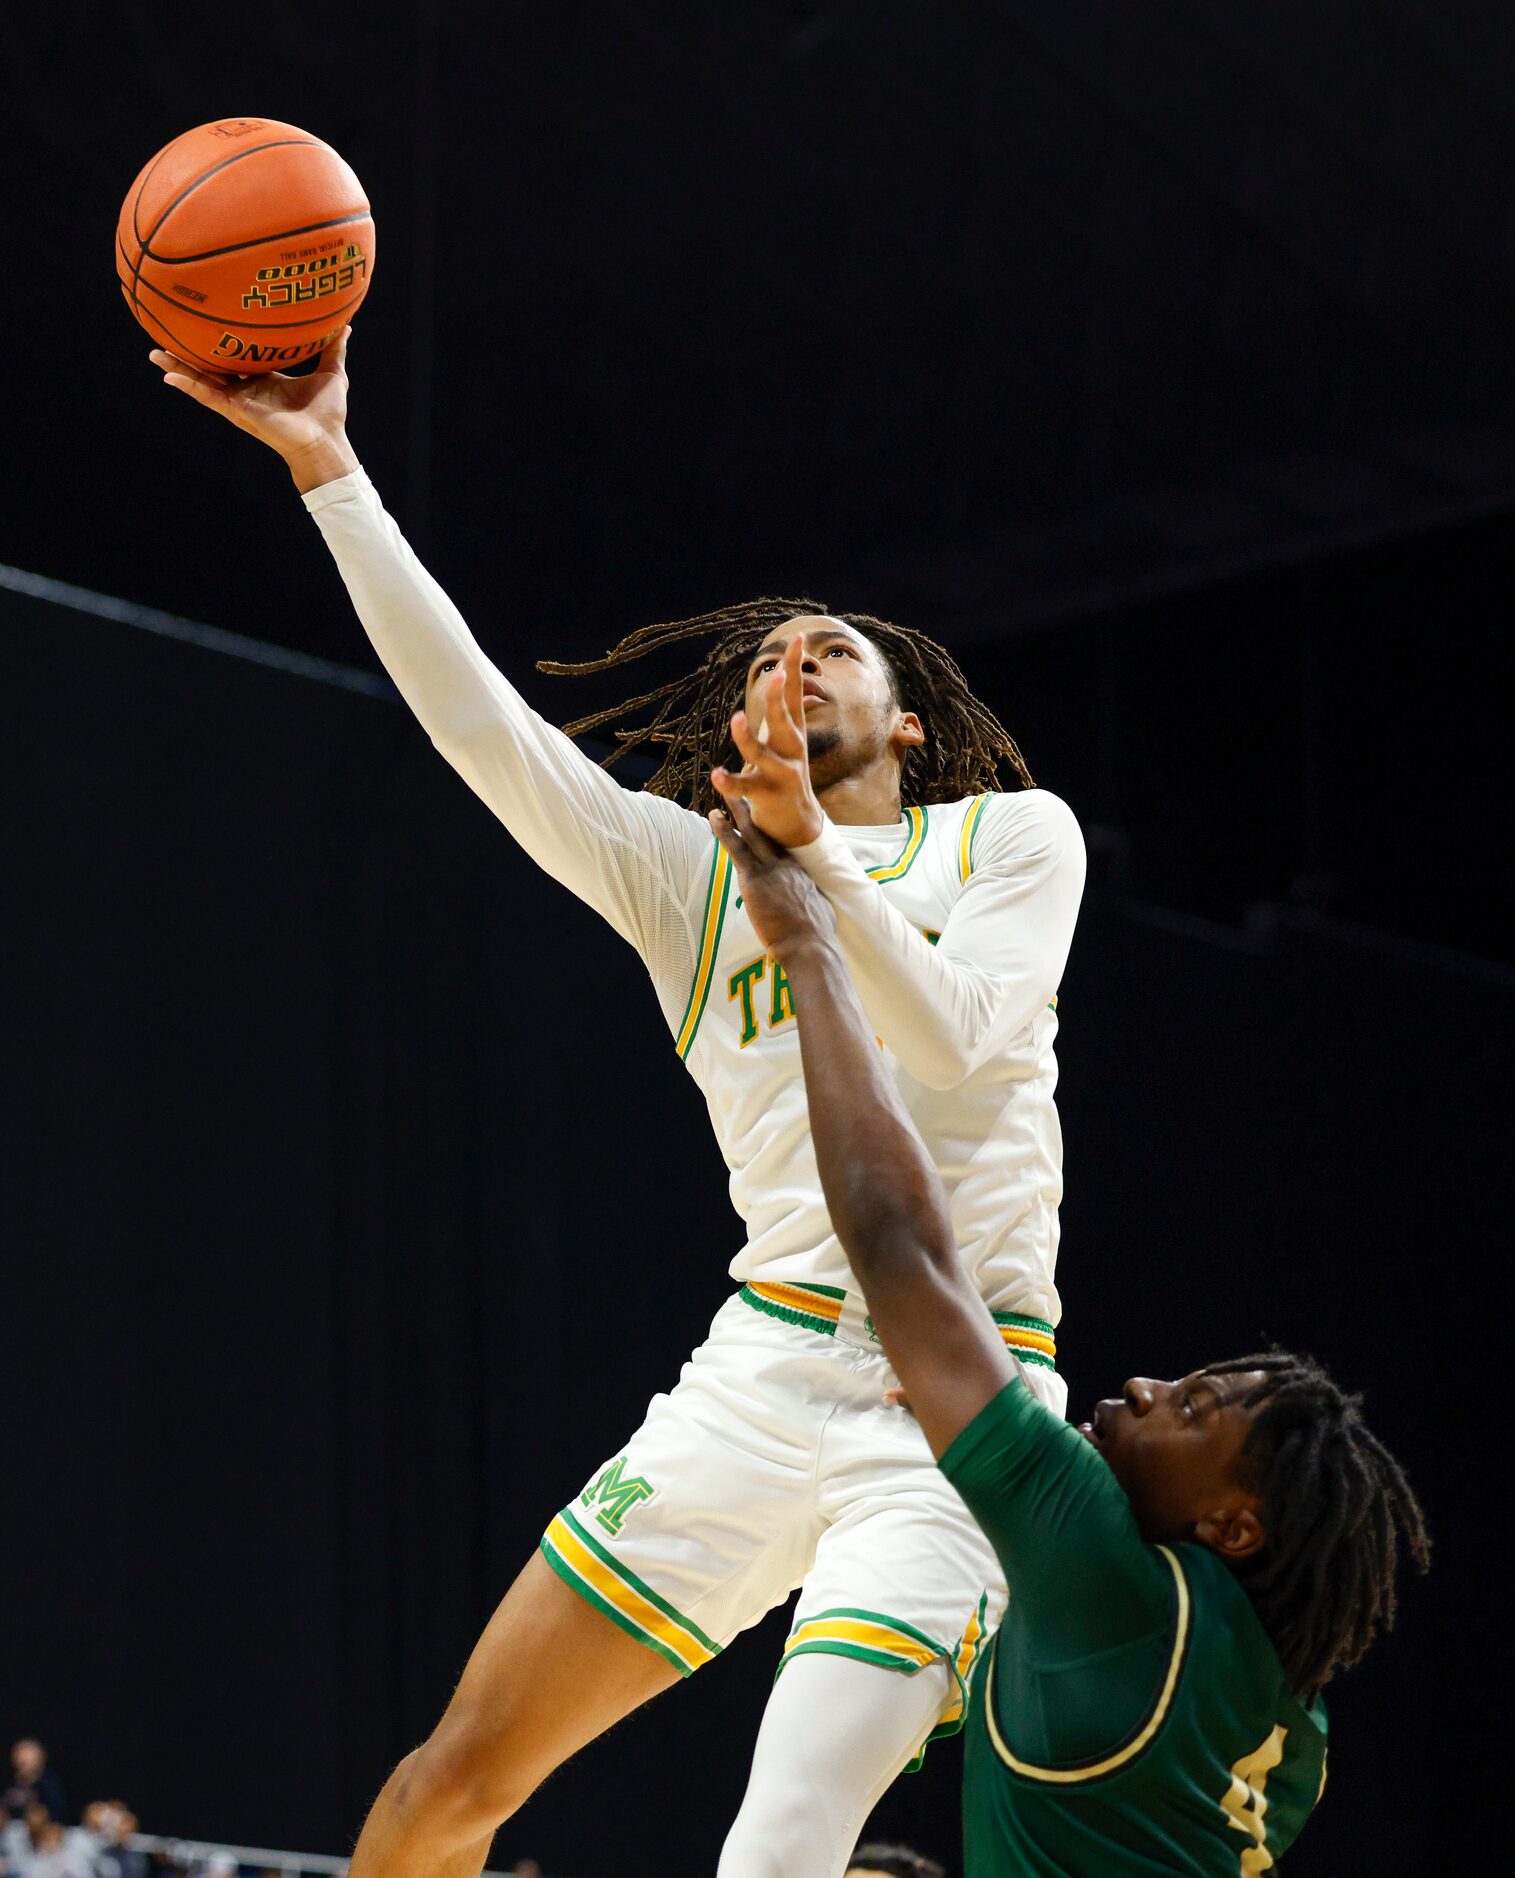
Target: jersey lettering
point(1246, 1801)
point(742, 984)
point(616, 1495)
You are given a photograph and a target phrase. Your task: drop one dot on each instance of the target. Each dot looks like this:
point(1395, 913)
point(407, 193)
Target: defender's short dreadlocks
point(1336, 1508)
point(691, 716)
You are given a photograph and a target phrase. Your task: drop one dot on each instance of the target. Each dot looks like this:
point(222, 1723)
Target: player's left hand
point(782, 901)
point(775, 778)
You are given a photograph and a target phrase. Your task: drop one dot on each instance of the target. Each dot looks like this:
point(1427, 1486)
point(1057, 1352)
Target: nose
point(809, 663)
point(1141, 1394)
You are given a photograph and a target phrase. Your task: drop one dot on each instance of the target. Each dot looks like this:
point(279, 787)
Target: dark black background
point(1156, 359)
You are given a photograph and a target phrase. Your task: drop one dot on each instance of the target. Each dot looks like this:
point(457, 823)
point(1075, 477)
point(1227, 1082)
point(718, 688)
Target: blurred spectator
point(526, 1868)
point(218, 1865)
point(32, 1782)
point(39, 1847)
point(892, 1861)
point(108, 1825)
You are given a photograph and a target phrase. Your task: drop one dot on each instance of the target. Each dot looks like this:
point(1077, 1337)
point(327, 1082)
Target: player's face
point(1177, 1448)
point(851, 717)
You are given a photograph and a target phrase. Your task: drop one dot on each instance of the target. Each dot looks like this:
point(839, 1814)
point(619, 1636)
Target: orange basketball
point(245, 245)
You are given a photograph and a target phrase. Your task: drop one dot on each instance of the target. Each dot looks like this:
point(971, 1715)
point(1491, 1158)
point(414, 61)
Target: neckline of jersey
point(872, 828)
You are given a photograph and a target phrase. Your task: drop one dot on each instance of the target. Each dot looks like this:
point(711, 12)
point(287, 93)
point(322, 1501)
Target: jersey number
point(1246, 1801)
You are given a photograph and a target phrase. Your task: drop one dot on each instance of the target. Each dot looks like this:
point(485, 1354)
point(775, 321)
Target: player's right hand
point(302, 417)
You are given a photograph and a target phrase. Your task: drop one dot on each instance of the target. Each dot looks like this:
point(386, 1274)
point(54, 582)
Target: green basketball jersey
point(1132, 1715)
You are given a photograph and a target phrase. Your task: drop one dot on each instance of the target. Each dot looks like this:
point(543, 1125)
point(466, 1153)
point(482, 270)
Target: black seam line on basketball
point(237, 156)
point(259, 326)
point(136, 266)
point(258, 241)
point(278, 143)
point(173, 339)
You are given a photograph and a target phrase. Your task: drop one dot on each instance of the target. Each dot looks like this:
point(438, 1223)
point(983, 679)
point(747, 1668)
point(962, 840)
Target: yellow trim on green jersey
point(965, 844)
point(1073, 1776)
point(601, 1580)
point(915, 834)
point(716, 894)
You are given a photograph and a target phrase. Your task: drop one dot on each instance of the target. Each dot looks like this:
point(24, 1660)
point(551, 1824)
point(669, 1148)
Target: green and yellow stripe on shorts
point(1029, 1338)
point(602, 1580)
point(962, 1668)
point(812, 1307)
point(867, 1636)
point(871, 1637)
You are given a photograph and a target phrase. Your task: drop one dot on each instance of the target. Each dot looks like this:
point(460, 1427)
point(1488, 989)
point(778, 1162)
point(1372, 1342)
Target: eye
point(763, 665)
point(845, 652)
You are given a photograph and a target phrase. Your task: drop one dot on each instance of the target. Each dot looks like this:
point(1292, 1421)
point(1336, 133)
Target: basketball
point(245, 245)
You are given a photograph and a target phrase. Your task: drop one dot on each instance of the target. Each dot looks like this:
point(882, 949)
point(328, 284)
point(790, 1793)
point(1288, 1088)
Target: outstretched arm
point(634, 858)
point(884, 1195)
point(1081, 1578)
point(942, 1009)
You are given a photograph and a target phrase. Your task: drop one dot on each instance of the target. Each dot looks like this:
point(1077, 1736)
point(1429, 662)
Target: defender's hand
point(785, 906)
point(776, 776)
point(303, 417)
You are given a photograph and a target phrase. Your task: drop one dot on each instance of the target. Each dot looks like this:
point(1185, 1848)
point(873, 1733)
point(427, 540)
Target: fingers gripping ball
point(245, 245)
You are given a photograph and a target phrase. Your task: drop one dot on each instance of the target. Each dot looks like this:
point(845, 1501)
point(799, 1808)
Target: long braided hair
point(1337, 1509)
point(689, 717)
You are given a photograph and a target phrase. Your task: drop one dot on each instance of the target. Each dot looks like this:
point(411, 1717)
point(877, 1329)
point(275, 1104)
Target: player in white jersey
point(778, 1460)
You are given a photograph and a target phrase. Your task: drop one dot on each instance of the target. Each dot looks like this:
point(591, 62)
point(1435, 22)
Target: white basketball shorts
point(777, 1462)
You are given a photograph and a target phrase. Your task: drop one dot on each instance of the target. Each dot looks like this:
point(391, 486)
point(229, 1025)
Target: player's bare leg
point(506, 1728)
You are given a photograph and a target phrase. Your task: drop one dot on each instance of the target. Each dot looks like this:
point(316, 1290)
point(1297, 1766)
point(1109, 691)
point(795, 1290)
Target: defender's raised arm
point(884, 1195)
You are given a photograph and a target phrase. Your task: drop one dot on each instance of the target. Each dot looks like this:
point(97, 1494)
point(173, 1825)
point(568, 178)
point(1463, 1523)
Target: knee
point(798, 1831)
point(461, 1783)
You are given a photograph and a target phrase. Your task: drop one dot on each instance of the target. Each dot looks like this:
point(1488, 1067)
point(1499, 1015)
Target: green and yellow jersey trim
point(812, 1307)
point(1030, 1338)
point(602, 1580)
point(1123, 1755)
point(915, 834)
point(965, 841)
point(717, 891)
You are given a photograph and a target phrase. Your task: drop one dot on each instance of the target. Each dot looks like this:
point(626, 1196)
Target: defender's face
point(1177, 1449)
point(850, 712)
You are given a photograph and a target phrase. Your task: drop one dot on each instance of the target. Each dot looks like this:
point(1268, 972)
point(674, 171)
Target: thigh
point(509, 1714)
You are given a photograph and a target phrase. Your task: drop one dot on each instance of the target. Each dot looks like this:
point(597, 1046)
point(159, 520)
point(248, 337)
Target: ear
point(1233, 1533)
point(907, 732)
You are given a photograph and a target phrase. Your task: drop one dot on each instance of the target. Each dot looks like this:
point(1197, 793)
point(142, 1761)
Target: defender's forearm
point(882, 1191)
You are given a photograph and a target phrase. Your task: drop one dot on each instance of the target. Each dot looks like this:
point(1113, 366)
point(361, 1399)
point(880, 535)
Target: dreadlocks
point(691, 716)
point(1336, 1508)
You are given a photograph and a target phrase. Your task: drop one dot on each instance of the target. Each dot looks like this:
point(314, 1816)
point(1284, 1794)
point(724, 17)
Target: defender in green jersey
point(1186, 1570)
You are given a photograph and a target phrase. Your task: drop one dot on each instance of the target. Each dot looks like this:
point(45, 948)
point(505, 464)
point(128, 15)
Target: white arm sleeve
point(638, 860)
point(944, 1009)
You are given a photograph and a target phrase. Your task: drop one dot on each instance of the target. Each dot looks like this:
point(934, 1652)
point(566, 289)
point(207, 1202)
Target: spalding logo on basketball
point(245, 245)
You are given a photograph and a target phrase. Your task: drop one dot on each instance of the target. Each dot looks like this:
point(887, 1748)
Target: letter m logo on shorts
point(616, 1495)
